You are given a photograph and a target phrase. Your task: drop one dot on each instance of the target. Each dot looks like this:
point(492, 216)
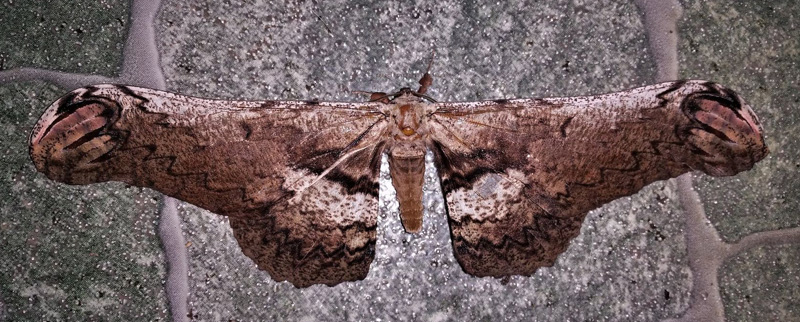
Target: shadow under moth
point(299, 179)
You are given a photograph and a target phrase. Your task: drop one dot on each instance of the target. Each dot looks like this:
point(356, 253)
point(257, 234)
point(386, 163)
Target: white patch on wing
point(492, 196)
point(297, 181)
point(329, 200)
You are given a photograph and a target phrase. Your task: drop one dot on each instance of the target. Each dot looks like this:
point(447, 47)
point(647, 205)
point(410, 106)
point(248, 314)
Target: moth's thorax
point(408, 130)
point(407, 120)
point(408, 115)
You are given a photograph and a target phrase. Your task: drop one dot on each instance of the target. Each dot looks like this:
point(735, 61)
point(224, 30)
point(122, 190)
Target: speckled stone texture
point(754, 47)
point(767, 67)
point(628, 264)
point(71, 36)
point(68, 253)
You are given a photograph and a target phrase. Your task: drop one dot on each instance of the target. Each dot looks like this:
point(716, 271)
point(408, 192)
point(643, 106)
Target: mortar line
point(706, 251)
point(764, 238)
point(702, 242)
point(140, 66)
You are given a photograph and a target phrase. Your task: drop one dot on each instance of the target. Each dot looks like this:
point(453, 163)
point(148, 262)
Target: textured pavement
point(94, 252)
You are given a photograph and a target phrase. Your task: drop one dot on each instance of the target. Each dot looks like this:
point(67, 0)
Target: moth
point(299, 179)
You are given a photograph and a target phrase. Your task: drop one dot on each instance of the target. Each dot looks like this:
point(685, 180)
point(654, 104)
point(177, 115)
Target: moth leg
point(379, 97)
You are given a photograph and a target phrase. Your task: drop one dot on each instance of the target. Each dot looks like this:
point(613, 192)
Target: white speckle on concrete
point(705, 249)
point(629, 253)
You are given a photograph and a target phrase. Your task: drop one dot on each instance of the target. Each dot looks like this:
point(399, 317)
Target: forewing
point(298, 179)
point(519, 176)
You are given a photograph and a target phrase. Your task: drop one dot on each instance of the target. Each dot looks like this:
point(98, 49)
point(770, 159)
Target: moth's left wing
point(298, 179)
point(520, 175)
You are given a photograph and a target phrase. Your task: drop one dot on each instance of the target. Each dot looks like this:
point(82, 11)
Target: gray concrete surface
point(92, 253)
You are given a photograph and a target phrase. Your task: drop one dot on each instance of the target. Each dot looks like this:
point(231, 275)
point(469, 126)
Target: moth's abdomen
point(408, 175)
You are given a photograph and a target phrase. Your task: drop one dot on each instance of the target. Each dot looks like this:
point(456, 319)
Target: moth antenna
point(426, 79)
point(360, 92)
point(430, 99)
point(430, 62)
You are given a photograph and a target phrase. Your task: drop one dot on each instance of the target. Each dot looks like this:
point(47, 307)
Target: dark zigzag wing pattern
point(299, 179)
point(519, 176)
point(260, 163)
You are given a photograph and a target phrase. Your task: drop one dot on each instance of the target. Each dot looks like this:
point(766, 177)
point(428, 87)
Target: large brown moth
point(299, 179)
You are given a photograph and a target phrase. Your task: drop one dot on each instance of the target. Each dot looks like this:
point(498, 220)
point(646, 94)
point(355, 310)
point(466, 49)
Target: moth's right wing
point(298, 179)
point(520, 175)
